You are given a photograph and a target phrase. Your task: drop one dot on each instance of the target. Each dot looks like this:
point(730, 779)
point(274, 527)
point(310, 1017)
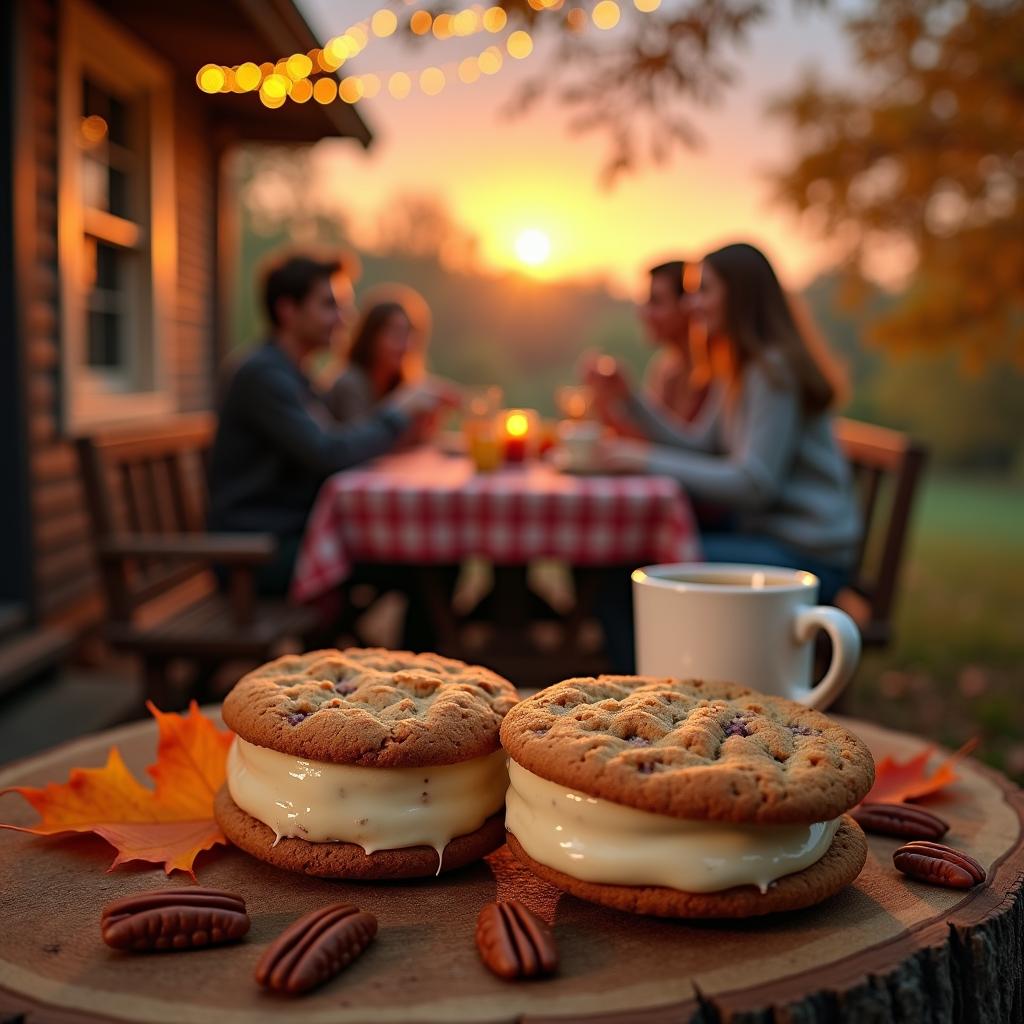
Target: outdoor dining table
point(425, 509)
point(884, 949)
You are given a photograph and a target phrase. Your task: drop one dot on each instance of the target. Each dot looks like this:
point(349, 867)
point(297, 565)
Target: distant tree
point(637, 85)
point(925, 152)
point(422, 225)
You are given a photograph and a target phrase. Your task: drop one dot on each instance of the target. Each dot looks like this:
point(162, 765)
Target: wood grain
point(886, 949)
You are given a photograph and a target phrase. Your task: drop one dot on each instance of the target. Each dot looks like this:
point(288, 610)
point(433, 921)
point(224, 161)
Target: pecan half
point(315, 948)
point(174, 919)
point(514, 942)
point(939, 865)
point(901, 820)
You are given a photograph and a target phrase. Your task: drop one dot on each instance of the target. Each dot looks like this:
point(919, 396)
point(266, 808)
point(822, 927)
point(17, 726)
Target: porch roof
point(191, 33)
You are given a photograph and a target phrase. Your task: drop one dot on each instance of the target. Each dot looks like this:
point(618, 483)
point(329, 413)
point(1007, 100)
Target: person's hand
point(622, 455)
point(426, 397)
point(608, 379)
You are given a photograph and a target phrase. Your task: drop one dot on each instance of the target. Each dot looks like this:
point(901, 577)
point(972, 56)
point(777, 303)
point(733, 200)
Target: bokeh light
point(248, 76)
point(383, 23)
point(93, 129)
point(351, 89)
point(298, 66)
point(399, 85)
point(519, 44)
point(469, 70)
point(606, 14)
point(490, 60)
point(432, 80)
point(495, 19)
point(275, 86)
point(325, 90)
point(210, 78)
point(302, 90)
point(420, 22)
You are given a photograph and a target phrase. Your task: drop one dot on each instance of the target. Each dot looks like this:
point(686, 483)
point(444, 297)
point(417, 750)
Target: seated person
point(276, 441)
point(678, 375)
point(376, 363)
point(763, 446)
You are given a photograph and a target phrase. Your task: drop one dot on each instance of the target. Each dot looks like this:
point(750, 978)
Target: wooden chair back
point(887, 467)
point(145, 481)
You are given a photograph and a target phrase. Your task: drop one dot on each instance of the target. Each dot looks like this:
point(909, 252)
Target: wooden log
point(886, 949)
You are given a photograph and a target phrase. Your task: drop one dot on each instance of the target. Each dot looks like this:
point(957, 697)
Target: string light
point(432, 80)
point(490, 60)
point(399, 85)
point(290, 77)
point(210, 77)
point(495, 19)
point(351, 89)
point(519, 45)
point(324, 90)
point(442, 28)
point(302, 90)
point(606, 14)
point(469, 70)
point(383, 23)
point(421, 21)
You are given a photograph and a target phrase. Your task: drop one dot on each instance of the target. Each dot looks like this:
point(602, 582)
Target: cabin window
point(117, 223)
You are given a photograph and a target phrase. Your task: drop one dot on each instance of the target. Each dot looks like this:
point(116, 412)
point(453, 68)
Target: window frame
point(91, 45)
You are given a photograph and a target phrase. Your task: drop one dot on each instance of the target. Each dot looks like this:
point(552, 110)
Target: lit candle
point(517, 433)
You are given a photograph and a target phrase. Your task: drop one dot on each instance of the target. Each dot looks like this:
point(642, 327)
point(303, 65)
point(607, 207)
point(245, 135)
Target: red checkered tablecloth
point(425, 507)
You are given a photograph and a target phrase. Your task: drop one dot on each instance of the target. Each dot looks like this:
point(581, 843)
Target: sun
point(533, 247)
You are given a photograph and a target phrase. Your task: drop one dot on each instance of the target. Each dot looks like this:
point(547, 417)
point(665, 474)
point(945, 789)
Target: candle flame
point(517, 424)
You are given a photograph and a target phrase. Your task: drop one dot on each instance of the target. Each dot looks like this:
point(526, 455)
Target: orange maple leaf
point(899, 781)
point(167, 825)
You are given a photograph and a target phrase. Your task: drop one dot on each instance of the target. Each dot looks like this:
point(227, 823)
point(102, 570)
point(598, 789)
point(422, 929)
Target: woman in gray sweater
point(763, 445)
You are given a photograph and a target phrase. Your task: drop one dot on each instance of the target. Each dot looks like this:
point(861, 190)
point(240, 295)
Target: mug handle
point(845, 651)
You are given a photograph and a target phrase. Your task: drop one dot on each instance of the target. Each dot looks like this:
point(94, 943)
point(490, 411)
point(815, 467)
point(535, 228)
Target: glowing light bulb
point(210, 78)
point(519, 44)
point(606, 14)
point(383, 23)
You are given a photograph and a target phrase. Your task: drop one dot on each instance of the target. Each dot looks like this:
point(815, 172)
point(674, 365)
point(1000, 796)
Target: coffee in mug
point(748, 624)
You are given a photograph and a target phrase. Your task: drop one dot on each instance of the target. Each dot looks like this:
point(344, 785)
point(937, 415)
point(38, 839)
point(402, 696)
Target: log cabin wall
point(64, 580)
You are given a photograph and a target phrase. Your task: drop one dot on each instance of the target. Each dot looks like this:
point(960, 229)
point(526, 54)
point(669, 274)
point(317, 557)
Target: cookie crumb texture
point(373, 708)
point(690, 749)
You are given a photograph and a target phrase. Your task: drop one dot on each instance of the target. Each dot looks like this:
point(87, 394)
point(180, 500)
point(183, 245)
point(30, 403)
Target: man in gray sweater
point(276, 442)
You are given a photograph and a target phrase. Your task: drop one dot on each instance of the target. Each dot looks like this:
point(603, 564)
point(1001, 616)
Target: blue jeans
point(614, 603)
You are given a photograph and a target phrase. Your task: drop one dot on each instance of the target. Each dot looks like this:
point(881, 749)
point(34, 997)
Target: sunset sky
point(502, 177)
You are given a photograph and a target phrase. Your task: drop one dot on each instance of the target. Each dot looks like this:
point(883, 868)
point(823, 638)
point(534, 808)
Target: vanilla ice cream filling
point(600, 841)
point(375, 808)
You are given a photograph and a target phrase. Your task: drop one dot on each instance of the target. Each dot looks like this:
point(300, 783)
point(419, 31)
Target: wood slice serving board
point(885, 949)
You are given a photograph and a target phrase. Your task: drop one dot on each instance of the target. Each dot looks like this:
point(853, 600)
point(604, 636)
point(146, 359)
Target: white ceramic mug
point(579, 440)
point(749, 624)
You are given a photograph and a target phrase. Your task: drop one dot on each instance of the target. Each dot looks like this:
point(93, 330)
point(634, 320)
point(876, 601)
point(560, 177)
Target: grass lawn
point(956, 668)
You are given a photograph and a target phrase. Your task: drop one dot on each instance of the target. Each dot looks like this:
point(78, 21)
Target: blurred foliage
point(956, 667)
point(635, 85)
point(923, 157)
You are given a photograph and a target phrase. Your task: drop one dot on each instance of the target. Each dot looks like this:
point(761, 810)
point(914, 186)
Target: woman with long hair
point(376, 362)
point(763, 444)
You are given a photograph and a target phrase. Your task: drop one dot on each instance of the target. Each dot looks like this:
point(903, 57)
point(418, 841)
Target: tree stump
point(886, 949)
